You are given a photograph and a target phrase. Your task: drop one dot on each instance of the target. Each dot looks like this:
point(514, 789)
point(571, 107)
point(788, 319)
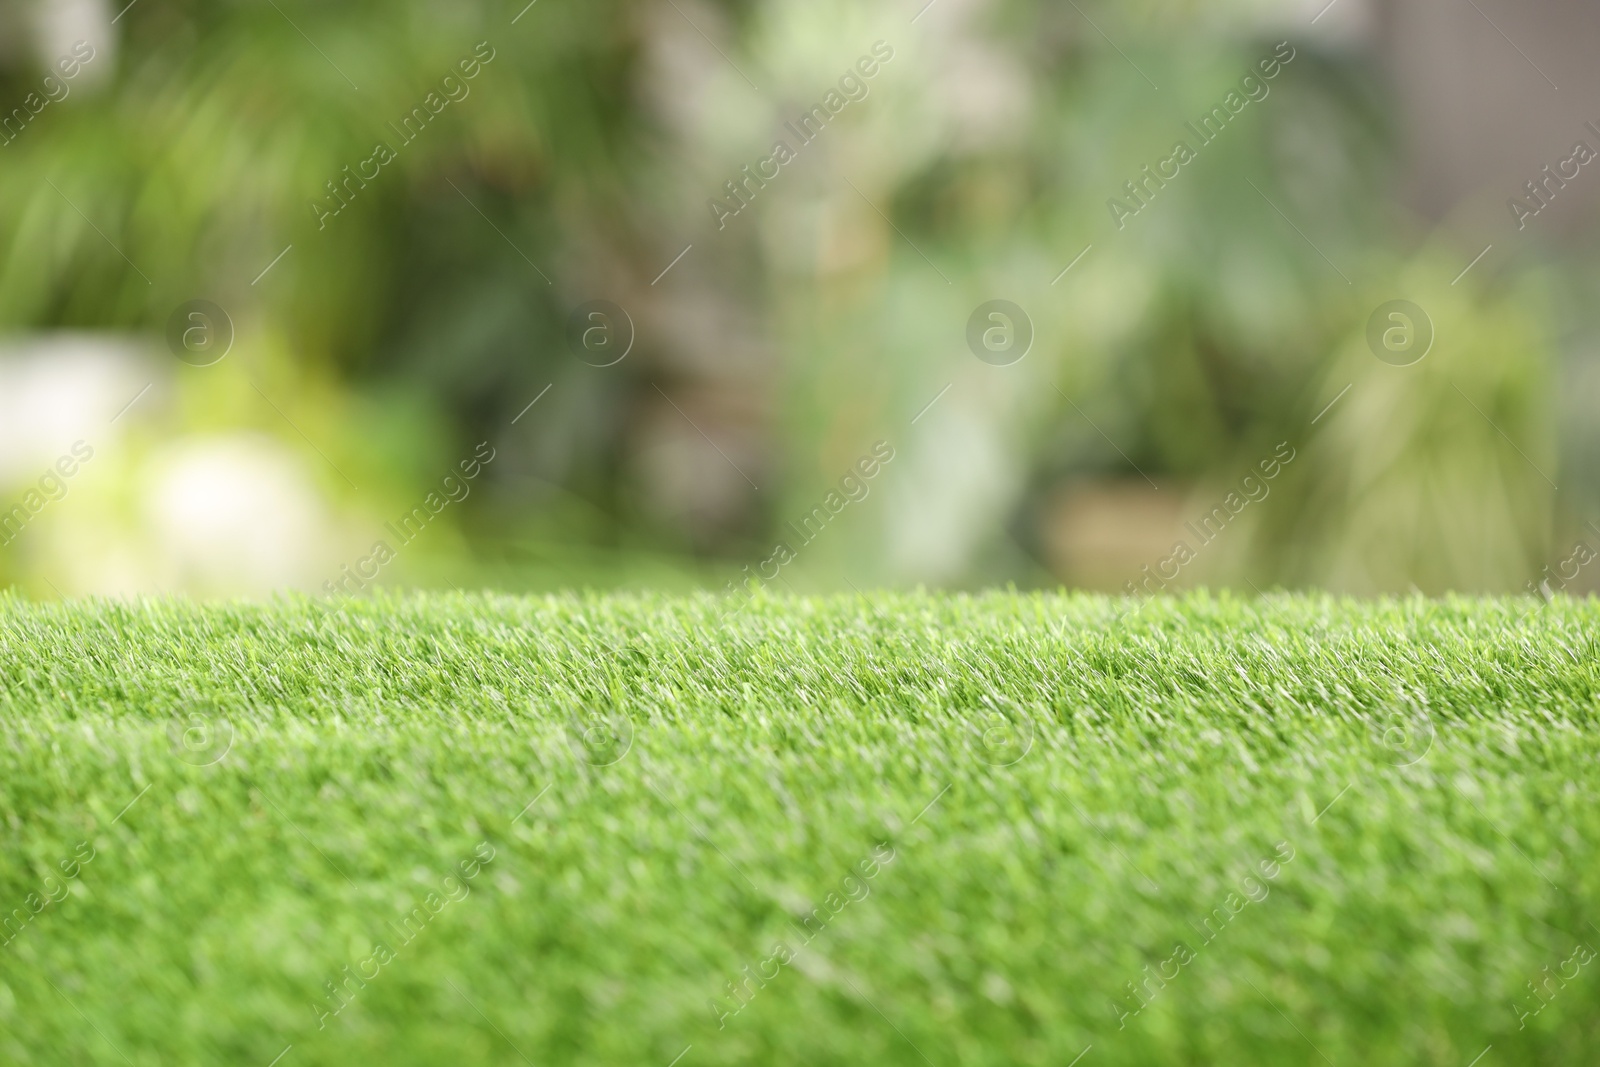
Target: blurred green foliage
point(426, 314)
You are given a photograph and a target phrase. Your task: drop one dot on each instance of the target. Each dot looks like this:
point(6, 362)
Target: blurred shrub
point(426, 314)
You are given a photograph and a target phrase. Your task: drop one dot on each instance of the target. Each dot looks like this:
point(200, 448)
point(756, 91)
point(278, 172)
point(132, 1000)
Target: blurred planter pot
point(1099, 535)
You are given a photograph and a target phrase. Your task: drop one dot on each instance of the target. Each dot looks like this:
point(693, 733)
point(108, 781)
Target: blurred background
point(278, 276)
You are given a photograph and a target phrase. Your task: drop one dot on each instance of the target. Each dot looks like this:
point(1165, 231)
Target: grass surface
point(894, 829)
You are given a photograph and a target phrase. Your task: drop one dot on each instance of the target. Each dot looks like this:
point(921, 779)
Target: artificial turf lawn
point(911, 829)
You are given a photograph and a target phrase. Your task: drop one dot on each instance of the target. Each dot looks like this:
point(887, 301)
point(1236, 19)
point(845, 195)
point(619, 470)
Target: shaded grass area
point(887, 829)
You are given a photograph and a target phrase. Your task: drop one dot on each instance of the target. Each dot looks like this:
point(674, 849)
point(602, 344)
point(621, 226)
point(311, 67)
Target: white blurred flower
point(235, 512)
point(60, 24)
point(58, 389)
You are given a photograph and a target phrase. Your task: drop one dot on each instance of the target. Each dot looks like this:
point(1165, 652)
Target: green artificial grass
point(908, 829)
